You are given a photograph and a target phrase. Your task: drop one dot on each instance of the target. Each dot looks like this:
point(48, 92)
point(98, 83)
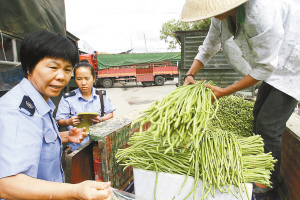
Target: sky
point(115, 26)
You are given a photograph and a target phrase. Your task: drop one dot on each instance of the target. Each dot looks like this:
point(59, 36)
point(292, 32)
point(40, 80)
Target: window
point(10, 69)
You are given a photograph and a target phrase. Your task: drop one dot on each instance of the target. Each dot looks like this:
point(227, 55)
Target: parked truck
point(18, 19)
point(147, 68)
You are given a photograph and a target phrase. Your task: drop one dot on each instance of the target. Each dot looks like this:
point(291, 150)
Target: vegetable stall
point(97, 159)
point(190, 136)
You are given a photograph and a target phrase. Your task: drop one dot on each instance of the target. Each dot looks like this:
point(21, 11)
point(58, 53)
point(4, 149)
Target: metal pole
point(9, 63)
point(15, 51)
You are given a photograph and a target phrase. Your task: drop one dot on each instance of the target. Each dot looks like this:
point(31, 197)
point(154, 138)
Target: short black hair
point(85, 63)
point(45, 44)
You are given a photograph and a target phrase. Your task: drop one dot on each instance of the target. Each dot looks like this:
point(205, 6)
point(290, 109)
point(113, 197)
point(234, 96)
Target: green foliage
point(167, 32)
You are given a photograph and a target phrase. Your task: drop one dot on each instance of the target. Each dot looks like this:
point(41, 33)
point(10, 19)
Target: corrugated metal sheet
point(218, 70)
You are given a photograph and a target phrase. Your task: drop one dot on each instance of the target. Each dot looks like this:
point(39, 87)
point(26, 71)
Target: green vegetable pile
point(235, 115)
point(183, 140)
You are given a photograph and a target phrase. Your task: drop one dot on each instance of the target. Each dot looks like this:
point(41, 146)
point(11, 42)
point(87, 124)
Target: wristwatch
point(189, 75)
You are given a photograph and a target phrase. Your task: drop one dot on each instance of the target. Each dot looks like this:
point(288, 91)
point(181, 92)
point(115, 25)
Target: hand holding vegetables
point(218, 91)
point(189, 79)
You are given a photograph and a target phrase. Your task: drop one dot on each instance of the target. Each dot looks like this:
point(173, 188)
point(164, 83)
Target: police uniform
point(73, 103)
point(29, 138)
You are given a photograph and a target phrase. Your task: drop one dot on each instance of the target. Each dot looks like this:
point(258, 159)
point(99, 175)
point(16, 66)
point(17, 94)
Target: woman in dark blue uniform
point(30, 143)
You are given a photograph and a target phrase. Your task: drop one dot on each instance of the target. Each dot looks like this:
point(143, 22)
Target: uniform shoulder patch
point(69, 94)
point(27, 106)
point(103, 92)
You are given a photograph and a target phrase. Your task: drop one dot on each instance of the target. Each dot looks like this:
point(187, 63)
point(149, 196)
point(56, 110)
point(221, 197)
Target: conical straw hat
point(194, 10)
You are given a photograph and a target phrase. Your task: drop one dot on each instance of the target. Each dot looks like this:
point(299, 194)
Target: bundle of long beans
point(223, 161)
point(181, 140)
point(180, 117)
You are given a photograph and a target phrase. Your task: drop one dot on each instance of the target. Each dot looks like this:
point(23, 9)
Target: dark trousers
point(271, 111)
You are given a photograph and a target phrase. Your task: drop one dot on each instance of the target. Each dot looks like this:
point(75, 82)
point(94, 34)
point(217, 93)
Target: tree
point(167, 33)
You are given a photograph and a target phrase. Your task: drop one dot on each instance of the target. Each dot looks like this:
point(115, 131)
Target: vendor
point(30, 144)
point(84, 99)
point(263, 35)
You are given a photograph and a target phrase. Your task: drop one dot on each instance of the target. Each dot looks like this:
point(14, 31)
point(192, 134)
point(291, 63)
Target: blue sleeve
point(21, 138)
point(108, 107)
point(63, 110)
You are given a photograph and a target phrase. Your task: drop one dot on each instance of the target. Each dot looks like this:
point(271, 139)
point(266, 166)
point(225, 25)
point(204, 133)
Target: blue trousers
point(271, 111)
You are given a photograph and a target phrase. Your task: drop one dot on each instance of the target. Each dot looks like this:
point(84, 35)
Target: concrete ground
point(135, 97)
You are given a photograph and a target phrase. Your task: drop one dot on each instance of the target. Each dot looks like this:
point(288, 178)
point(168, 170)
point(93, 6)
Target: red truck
point(147, 68)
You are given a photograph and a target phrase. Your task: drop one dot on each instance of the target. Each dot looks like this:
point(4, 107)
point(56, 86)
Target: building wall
point(218, 70)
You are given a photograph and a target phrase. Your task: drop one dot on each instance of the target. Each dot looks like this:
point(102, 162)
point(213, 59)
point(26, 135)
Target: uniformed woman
point(30, 144)
point(261, 38)
point(84, 99)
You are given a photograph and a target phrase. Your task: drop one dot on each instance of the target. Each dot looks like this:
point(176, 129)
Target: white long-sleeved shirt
point(266, 46)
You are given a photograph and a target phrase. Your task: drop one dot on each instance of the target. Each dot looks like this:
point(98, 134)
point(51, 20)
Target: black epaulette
point(103, 92)
point(27, 106)
point(70, 94)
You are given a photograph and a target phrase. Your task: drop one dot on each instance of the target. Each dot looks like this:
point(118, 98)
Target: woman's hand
point(218, 91)
point(189, 80)
point(74, 120)
point(96, 119)
point(22, 186)
point(245, 82)
point(76, 135)
point(94, 190)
